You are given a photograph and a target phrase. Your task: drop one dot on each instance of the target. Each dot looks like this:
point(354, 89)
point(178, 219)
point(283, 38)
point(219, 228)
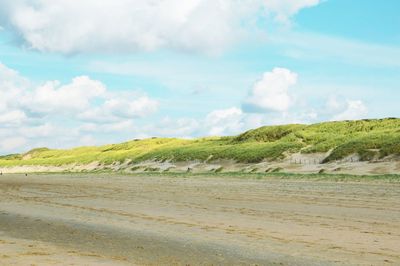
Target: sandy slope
point(297, 163)
point(102, 220)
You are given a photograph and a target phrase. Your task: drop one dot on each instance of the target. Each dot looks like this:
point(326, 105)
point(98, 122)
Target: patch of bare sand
point(295, 163)
point(204, 221)
point(15, 251)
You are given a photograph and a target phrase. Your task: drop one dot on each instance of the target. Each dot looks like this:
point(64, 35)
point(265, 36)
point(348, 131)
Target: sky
point(79, 73)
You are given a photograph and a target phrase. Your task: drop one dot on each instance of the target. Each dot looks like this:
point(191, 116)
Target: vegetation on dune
point(11, 157)
point(268, 134)
point(367, 138)
point(223, 148)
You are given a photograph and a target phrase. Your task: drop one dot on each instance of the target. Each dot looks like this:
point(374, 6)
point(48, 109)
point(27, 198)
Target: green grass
point(368, 138)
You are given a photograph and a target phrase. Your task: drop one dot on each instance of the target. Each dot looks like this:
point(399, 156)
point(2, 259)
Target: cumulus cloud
point(11, 92)
point(339, 107)
point(52, 113)
point(271, 93)
point(11, 88)
point(83, 97)
point(121, 106)
point(225, 121)
point(355, 109)
point(139, 107)
point(129, 25)
point(73, 97)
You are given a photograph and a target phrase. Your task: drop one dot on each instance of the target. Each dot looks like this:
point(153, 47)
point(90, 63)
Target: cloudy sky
point(88, 72)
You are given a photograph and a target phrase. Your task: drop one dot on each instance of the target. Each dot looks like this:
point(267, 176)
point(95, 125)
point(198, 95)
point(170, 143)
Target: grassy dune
point(370, 139)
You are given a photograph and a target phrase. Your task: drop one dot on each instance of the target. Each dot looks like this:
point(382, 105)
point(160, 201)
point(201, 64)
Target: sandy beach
point(148, 220)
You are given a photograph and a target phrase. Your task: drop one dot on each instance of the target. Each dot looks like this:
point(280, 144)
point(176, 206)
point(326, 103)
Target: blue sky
point(86, 73)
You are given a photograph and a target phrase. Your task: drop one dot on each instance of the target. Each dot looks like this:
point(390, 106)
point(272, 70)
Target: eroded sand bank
point(125, 220)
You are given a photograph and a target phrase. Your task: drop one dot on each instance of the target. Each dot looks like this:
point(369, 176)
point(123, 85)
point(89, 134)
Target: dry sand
point(296, 163)
point(132, 220)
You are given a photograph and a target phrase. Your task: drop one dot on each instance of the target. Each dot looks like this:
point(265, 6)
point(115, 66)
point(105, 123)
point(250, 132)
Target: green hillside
point(367, 138)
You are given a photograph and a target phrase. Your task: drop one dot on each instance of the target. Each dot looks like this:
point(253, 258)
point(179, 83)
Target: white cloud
point(10, 95)
point(139, 107)
point(12, 117)
point(271, 93)
point(232, 121)
point(73, 97)
point(128, 25)
point(284, 9)
point(354, 110)
point(52, 114)
point(339, 107)
point(223, 122)
point(120, 106)
point(11, 88)
point(83, 98)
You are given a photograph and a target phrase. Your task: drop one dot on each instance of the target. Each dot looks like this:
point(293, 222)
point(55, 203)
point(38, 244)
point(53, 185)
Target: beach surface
point(101, 219)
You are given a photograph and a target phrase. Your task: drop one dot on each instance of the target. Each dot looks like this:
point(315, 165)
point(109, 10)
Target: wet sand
point(133, 220)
